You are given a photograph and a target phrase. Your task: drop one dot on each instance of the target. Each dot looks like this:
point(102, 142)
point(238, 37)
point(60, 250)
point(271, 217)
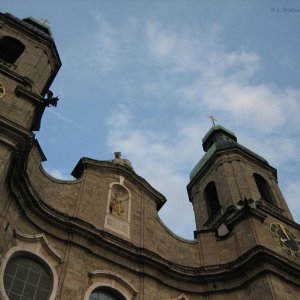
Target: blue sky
point(141, 77)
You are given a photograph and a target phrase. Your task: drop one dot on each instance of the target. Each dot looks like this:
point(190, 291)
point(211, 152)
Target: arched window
point(212, 199)
point(100, 294)
point(10, 49)
point(264, 189)
point(27, 277)
point(108, 285)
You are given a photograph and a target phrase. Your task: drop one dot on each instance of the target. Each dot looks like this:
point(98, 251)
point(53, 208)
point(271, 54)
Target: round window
point(27, 278)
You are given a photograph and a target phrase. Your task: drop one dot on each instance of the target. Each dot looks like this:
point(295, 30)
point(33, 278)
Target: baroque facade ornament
point(118, 210)
point(104, 225)
point(121, 161)
point(117, 203)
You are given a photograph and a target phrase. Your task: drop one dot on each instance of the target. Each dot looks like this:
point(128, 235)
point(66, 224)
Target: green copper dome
point(219, 138)
point(40, 24)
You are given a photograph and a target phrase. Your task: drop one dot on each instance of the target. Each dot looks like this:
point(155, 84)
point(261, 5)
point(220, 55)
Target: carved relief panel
point(117, 216)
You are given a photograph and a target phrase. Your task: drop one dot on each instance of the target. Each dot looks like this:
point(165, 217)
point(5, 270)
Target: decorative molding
point(36, 245)
point(105, 278)
point(38, 100)
point(39, 240)
point(5, 69)
point(14, 136)
point(270, 207)
point(235, 212)
point(88, 163)
point(238, 153)
point(7, 64)
point(118, 210)
point(21, 91)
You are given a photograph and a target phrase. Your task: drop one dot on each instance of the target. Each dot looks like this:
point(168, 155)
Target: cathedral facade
point(100, 237)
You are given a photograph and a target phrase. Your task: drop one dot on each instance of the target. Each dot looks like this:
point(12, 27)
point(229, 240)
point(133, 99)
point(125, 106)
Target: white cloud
point(213, 80)
point(183, 51)
point(260, 107)
point(120, 118)
point(109, 43)
point(105, 46)
point(223, 80)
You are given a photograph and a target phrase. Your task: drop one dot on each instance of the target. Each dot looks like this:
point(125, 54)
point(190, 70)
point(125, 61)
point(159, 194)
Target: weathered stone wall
point(39, 59)
point(87, 199)
point(103, 229)
point(233, 176)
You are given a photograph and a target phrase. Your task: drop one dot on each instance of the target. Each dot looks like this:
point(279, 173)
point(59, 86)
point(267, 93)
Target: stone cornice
point(244, 209)
point(217, 159)
point(113, 276)
point(5, 68)
point(39, 100)
point(13, 135)
point(40, 104)
point(88, 163)
point(176, 275)
point(275, 212)
point(25, 26)
point(198, 279)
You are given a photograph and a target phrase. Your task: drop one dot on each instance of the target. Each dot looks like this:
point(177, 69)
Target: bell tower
point(100, 235)
point(228, 174)
point(242, 218)
point(29, 63)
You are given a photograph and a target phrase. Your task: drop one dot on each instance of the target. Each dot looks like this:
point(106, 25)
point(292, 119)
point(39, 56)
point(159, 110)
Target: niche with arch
point(264, 189)
point(117, 216)
point(10, 49)
point(211, 199)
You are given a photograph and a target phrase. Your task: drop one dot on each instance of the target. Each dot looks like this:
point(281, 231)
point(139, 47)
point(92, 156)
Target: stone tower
point(99, 236)
point(229, 173)
point(29, 62)
point(240, 211)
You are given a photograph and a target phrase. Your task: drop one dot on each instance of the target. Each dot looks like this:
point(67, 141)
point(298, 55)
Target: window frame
point(110, 281)
point(20, 48)
point(264, 189)
point(23, 254)
point(212, 200)
point(34, 245)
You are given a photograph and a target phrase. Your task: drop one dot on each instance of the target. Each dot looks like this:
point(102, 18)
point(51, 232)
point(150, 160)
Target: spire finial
point(212, 119)
point(45, 21)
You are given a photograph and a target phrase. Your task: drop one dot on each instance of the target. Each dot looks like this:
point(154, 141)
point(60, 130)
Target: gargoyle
point(50, 100)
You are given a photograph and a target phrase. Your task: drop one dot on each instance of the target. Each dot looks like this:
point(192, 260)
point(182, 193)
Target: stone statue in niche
point(118, 209)
point(117, 203)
